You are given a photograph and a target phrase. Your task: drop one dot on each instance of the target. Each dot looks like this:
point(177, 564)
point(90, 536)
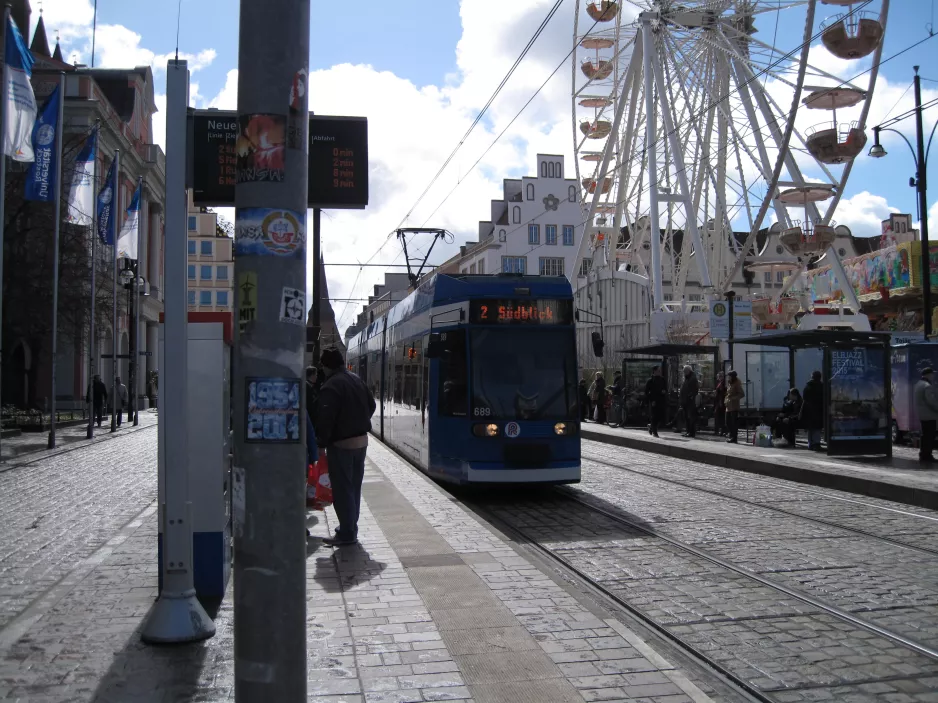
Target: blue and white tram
point(476, 379)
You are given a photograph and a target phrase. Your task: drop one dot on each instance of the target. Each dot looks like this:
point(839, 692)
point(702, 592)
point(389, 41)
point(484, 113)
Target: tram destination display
point(521, 312)
point(338, 160)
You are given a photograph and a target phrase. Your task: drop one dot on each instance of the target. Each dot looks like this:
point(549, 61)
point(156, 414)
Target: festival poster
point(261, 148)
point(858, 407)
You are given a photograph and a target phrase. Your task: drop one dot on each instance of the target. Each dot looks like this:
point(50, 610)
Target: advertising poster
point(266, 232)
point(261, 148)
point(858, 395)
point(273, 410)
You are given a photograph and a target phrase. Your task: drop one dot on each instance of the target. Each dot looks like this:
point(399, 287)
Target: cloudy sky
point(420, 71)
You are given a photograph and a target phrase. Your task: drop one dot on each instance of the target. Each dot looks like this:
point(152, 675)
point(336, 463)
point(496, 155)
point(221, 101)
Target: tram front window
point(523, 374)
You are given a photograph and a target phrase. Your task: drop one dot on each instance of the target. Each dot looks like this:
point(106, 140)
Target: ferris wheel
point(690, 116)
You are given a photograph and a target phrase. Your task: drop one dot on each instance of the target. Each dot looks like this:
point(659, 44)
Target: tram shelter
point(857, 379)
point(637, 364)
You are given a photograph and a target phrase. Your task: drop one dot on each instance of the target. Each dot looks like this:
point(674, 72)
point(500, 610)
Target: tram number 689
point(482, 412)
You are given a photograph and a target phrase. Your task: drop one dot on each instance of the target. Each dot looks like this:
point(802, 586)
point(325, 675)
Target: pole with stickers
point(269, 422)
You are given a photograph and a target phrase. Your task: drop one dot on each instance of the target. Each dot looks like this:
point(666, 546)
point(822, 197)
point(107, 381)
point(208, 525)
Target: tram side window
point(453, 399)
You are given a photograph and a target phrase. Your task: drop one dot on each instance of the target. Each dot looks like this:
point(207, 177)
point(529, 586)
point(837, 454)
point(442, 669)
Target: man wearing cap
point(926, 406)
point(342, 421)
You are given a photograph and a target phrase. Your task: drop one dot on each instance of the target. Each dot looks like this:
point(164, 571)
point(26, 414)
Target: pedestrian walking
point(598, 397)
point(734, 397)
point(926, 406)
point(690, 387)
point(656, 396)
point(719, 406)
point(618, 396)
point(812, 410)
point(584, 401)
point(97, 398)
point(119, 400)
point(342, 422)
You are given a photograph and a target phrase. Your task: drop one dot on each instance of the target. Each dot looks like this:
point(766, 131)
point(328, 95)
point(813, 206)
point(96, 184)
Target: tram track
point(776, 509)
point(732, 677)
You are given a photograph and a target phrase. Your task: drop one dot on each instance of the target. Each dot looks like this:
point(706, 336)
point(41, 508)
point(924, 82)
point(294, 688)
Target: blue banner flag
point(81, 194)
point(40, 179)
point(18, 94)
point(130, 232)
point(106, 219)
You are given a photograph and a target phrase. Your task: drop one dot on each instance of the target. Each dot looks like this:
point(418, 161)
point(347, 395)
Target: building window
point(472, 268)
point(586, 266)
point(193, 223)
point(559, 172)
point(695, 297)
point(205, 297)
point(551, 266)
point(780, 276)
point(514, 264)
point(568, 235)
point(550, 234)
point(222, 274)
point(543, 171)
point(571, 194)
point(481, 266)
point(551, 172)
point(205, 273)
point(191, 297)
point(191, 272)
point(516, 214)
point(530, 191)
point(779, 250)
point(767, 276)
point(534, 234)
point(221, 298)
point(205, 248)
point(191, 247)
point(842, 251)
point(501, 235)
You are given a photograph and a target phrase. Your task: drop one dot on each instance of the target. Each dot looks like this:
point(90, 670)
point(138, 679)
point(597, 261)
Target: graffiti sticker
point(293, 307)
point(273, 410)
point(263, 232)
point(261, 148)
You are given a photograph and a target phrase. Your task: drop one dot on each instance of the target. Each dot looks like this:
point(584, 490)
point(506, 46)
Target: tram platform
point(432, 605)
point(900, 478)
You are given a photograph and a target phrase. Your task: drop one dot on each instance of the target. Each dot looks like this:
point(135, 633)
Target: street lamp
point(919, 182)
point(135, 286)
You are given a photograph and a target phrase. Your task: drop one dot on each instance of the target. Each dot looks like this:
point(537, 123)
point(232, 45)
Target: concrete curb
point(874, 488)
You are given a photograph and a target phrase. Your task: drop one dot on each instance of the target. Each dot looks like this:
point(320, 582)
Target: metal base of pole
point(51, 444)
point(177, 618)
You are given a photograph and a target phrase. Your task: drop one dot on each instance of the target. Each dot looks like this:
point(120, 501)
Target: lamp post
point(133, 284)
point(919, 182)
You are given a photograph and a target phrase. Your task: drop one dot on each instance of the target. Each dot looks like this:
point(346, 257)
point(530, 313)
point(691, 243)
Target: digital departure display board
point(521, 312)
point(338, 160)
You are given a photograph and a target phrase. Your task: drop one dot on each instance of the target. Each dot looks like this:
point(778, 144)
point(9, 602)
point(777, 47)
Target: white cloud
point(863, 213)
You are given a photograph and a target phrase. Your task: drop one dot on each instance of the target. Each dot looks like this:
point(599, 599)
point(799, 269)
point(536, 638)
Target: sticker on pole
point(512, 430)
point(263, 232)
point(297, 116)
point(293, 307)
point(261, 148)
point(247, 299)
point(238, 502)
point(273, 410)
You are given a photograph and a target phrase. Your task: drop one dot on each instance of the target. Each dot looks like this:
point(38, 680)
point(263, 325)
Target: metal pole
point(115, 225)
point(92, 346)
point(177, 616)
point(3, 179)
point(648, 48)
point(60, 128)
point(141, 223)
point(270, 516)
point(317, 285)
point(730, 297)
point(921, 186)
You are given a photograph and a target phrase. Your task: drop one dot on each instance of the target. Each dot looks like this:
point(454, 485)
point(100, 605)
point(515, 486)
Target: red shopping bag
point(318, 487)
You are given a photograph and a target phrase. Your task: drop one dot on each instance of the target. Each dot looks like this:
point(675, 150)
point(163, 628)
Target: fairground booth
point(856, 370)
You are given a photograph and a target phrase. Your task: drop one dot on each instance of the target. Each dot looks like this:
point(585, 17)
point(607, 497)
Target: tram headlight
point(565, 429)
point(487, 430)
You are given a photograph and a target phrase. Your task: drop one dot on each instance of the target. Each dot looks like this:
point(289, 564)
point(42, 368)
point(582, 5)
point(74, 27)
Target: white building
point(211, 264)
point(534, 229)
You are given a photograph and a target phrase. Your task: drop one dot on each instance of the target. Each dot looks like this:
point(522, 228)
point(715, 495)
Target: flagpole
point(112, 225)
point(94, 266)
point(141, 212)
point(59, 129)
point(3, 178)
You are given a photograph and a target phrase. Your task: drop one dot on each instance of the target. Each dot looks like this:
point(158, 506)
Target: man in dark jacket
point(97, 397)
point(812, 410)
point(656, 396)
point(689, 390)
point(342, 421)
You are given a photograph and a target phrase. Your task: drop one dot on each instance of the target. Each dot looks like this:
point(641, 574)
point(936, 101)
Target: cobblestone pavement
point(780, 644)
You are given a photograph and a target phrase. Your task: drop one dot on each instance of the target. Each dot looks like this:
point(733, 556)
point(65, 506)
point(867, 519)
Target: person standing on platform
point(598, 397)
point(719, 406)
point(690, 387)
point(342, 422)
point(734, 397)
point(97, 398)
point(312, 388)
point(656, 395)
point(119, 400)
point(926, 406)
point(618, 399)
point(584, 401)
point(812, 410)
